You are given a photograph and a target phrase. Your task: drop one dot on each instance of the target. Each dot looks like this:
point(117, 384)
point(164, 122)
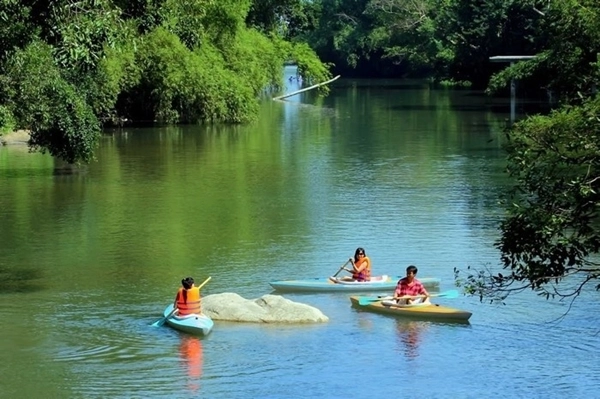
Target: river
point(410, 172)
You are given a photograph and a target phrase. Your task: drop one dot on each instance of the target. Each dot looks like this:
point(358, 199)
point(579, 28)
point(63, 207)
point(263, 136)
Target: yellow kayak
point(425, 311)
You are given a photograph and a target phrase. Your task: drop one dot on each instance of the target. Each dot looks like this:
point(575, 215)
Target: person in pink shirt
point(409, 286)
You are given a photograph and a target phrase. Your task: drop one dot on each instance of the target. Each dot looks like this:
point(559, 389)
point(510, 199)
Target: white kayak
point(335, 284)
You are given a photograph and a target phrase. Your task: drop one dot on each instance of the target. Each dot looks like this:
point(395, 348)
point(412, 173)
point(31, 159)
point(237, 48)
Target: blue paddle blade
point(159, 322)
point(365, 300)
point(448, 294)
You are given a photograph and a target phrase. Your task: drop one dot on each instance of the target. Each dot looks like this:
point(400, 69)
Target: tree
point(69, 66)
point(553, 225)
point(567, 48)
point(16, 31)
point(405, 32)
point(551, 233)
point(60, 120)
point(287, 18)
point(469, 32)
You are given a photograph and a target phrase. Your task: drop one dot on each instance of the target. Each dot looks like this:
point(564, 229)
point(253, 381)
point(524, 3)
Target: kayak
point(426, 311)
point(198, 324)
point(333, 284)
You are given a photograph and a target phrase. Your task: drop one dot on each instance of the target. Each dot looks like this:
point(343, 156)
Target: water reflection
point(410, 334)
point(365, 321)
point(190, 350)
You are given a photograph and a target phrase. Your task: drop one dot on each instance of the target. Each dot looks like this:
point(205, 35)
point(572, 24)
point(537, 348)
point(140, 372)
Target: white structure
point(513, 86)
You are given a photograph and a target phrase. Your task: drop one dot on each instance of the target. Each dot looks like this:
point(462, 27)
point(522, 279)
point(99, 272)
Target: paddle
point(160, 322)
point(341, 268)
point(365, 300)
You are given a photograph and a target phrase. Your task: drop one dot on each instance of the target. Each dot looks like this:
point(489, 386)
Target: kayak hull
point(379, 283)
point(418, 311)
point(197, 324)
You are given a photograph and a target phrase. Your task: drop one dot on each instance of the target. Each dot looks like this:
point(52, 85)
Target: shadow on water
point(473, 107)
point(20, 280)
point(382, 84)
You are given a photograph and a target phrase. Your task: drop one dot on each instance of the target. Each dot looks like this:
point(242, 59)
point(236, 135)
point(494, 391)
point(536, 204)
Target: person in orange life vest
point(187, 300)
point(410, 286)
point(361, 266)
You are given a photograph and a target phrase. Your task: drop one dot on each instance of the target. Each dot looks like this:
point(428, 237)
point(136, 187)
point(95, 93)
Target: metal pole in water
point(513, 98)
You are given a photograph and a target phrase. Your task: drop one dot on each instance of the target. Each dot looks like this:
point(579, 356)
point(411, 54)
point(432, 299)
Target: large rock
point(266, 309)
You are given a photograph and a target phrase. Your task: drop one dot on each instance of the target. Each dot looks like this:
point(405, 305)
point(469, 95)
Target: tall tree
point(472, 31)
point(550, 238)
point(567, 48)
point(69, 66)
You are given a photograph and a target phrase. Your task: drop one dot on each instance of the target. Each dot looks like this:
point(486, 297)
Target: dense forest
point(68, 68)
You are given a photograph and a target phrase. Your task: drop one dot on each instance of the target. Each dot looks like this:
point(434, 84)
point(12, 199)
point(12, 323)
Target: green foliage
point(179, 85)
point(82, 30)
point(341, 34)
point(288, 18)
point(302, 18)
point(15, 28)
point(567, 58)
point(60, 120)
point(223, 21)
point(28, 73)
point(255, 59)
point(185, 19)
point(572, 44)
point(552, 230)
point(470, 32)
point(72, 131)
point(116, 73)
point(518, 71)
point(454, 83)
point(66, 65)
point(405, 31)
point(555, 160)
point(7, 120)
point(309, 65)
point(452, 38)
point(553, 225)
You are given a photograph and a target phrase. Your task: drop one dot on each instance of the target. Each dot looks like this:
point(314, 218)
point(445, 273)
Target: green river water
point(413, 174)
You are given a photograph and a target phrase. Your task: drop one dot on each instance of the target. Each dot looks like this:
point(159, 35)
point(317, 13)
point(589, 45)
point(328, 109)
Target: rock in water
point(266, 309)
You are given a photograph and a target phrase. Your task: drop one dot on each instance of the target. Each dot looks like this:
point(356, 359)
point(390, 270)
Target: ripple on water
point(142, 358)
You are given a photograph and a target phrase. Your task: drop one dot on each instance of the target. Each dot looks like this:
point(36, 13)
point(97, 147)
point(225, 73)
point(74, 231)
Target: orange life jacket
point(192, 302)
point(365, 274)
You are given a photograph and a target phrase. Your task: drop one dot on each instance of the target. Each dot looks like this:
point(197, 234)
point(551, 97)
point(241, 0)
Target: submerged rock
point(266, 309)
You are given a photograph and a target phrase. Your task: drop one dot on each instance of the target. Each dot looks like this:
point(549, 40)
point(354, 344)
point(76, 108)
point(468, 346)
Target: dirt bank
point(19, 137)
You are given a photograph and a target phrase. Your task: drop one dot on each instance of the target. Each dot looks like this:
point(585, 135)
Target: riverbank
point(19, 137)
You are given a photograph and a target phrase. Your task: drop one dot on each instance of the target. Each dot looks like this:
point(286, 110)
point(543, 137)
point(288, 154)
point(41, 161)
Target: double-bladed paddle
point(365, 300)
point(160, 322)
